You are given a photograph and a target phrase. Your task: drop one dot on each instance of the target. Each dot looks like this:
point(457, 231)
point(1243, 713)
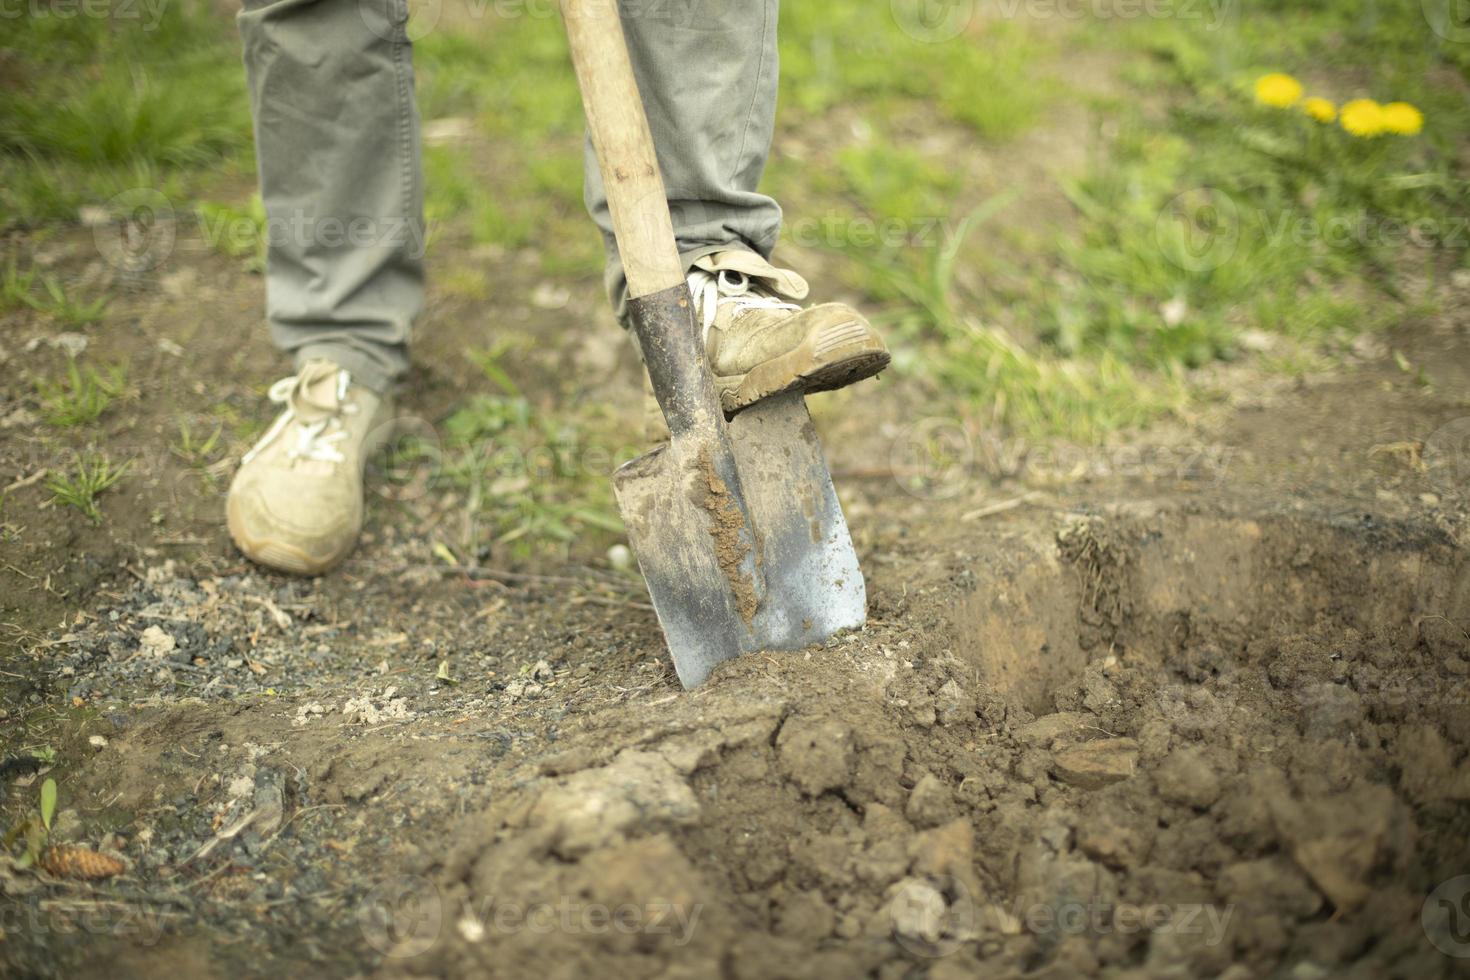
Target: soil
point(727, 531)
point(1162, 721)
point(1197, 704)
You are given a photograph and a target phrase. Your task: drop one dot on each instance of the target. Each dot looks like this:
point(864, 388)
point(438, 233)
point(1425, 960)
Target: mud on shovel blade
point(683, 503)
point(695, 555)
point(814, 587)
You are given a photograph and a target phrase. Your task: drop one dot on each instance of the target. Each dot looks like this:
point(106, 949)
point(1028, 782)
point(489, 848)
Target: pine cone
point(80, 862)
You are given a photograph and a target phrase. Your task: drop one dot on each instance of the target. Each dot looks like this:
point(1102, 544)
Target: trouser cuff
point(361, 366)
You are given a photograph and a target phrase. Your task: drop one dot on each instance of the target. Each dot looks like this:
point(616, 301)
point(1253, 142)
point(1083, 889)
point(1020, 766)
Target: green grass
point(533, 481)
point(1079, 399)
point(525, 480)
point(201, 453)
point(1197, 220)
point(1243, 216)
point(1202, 216)
point(17, 288)
point(98, 107)
point(80, 395)
point(89, 477)
point(236, 231)
point(194, 450)
point(516, 181)
point(857, 56)
point(20, 290)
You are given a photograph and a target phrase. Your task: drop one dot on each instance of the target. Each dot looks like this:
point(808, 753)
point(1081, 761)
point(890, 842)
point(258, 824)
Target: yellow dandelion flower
point(1320, 109)
point(1278, 90)
point(1402, 118)
point(1362, 117)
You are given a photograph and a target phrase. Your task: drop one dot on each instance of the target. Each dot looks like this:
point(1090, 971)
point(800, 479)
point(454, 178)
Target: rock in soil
point(1093, 765)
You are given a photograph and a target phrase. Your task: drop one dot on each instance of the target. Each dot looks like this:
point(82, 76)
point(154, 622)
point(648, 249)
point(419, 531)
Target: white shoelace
point(712, 290)
point(313, 440)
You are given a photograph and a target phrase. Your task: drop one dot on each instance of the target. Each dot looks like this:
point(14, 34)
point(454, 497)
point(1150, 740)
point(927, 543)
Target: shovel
point(736, 526)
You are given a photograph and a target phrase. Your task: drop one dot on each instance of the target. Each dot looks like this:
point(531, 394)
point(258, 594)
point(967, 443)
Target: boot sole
point(831, 358)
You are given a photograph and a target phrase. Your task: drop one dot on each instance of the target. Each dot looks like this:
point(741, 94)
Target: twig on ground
point(26, 481)
point(283, 620)
point(1000, 507)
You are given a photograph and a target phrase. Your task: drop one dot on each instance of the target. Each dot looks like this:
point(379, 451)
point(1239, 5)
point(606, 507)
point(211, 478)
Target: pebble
point(930, 803)
point(1186, 776)
point(1093, 765)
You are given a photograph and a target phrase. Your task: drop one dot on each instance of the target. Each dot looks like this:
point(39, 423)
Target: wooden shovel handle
point(624, 146)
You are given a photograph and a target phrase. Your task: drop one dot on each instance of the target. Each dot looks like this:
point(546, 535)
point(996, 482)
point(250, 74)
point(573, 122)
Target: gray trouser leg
point(337, 138)
point(707, 73)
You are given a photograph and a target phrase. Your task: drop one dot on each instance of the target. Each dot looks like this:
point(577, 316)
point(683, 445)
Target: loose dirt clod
point(816, 755)
point(1093, 765)
point(1186, 776)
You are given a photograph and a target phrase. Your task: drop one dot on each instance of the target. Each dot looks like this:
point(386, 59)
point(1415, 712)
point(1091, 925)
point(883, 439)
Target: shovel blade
point(812, 586)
